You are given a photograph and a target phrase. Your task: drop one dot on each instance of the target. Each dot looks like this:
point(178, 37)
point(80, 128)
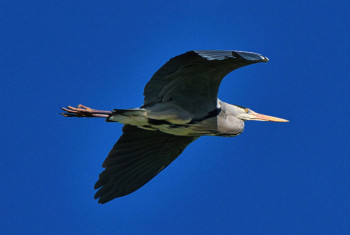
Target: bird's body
point(180, 105)
point(219, 122)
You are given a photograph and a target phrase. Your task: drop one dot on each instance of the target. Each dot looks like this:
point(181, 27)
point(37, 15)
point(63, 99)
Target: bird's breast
point(228, 125)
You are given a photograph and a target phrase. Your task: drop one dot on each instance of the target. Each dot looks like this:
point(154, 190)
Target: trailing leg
point(83, 111)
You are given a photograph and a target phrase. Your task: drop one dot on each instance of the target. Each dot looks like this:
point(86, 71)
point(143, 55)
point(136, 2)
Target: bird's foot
point(83, 111)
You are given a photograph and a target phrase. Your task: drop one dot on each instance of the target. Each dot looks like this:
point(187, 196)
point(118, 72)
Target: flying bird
point(180, 105)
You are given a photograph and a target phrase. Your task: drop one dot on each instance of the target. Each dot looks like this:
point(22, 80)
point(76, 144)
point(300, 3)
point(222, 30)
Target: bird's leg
point(83, 111)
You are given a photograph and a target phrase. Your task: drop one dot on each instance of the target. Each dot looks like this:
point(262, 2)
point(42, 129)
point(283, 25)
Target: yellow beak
point(262, 117)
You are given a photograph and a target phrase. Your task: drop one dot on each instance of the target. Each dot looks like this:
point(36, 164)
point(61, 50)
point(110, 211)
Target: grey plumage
point(191, 81)
point(135, 159)
point(180, 105)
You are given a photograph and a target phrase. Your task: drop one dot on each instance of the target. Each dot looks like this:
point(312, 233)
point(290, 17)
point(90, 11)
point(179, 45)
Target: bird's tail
point(129, 116)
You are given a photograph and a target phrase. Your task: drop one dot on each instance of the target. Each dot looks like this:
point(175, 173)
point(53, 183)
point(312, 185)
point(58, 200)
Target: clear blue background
point(275, 178)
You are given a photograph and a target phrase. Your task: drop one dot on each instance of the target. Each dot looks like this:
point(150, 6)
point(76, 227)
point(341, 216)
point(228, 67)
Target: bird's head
point(246, 114)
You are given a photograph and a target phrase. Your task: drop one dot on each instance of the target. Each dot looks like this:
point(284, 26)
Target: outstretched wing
point(191, 80)
point(135, 159)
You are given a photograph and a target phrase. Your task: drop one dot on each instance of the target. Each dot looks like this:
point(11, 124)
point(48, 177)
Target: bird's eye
point(246, 110)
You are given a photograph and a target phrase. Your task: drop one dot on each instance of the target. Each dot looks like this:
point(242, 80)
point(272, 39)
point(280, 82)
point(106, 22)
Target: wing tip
point(224, 54)
point(105, 196)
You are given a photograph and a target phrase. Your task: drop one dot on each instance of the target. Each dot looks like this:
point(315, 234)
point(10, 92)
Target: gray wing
point(135, 159)
point(191, 80)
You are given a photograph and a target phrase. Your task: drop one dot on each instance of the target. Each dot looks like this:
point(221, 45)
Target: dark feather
point(136, 158)
point(191, 80)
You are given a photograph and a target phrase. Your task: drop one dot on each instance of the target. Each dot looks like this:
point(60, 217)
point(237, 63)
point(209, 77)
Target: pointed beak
point(262, 117)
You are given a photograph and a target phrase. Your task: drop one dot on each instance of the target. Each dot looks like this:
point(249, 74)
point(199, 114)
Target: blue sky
point(275, 178)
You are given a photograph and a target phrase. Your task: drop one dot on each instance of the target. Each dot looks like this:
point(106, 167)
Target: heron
point(180, 104)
